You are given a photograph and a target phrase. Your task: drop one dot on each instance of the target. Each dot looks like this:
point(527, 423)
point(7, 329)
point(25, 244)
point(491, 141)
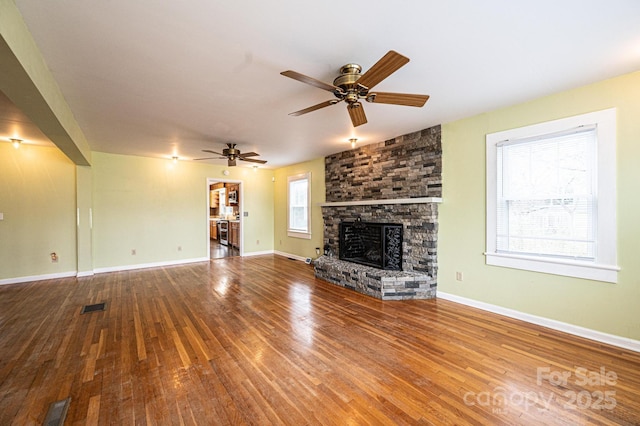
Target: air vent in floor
point(93, 308)
point(57, 412)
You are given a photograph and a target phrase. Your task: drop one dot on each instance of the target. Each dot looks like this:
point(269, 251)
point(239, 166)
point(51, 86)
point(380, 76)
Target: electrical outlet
point(257, 242)
point(459, 276)
point(54, 257)
point(133, 252)
point(179, 248)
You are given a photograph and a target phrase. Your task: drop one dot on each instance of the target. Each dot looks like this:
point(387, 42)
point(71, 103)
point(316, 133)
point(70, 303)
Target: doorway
point(225, 218)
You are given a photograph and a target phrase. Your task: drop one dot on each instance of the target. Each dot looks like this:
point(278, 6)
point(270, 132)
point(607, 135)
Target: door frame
point(211, 181)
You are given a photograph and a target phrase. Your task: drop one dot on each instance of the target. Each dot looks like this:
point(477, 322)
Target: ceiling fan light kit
point(351, 86)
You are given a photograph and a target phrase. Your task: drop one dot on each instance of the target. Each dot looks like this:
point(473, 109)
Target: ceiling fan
point(232, 154)
point(351, 86)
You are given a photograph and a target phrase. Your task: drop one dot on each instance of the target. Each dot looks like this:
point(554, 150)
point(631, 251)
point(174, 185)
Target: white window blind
point(298, 205)
point(546, 195)
point(551, 197)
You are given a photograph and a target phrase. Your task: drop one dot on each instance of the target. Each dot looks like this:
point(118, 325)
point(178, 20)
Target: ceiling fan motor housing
point(231, 152)
point(347, 82)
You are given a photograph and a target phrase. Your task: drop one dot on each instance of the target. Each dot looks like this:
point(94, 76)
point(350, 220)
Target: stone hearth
point(396, 181)
point(385, 285)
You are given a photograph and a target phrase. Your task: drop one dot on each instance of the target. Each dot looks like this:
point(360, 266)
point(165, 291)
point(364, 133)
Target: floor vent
point(93, 308)
point(57, 412)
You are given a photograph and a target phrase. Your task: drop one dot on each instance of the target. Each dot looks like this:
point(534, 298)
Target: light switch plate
point(245, 214)
point(1, 216)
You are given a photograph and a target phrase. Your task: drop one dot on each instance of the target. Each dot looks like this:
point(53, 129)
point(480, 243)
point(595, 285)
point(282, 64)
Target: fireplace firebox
point(373, 244)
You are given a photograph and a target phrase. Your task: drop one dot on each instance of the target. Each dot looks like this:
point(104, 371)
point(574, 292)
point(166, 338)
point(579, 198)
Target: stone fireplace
point(398, 181)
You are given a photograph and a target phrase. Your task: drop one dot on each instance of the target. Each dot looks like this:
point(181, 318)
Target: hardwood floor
point(260, 341)
point(218, 251)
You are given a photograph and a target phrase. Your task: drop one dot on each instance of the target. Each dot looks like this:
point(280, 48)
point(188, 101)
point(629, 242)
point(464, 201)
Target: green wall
point(84, 204)
point(155, 206)
point(609, 308)
point(297, 246)
point(38, 201)
point(147, 204)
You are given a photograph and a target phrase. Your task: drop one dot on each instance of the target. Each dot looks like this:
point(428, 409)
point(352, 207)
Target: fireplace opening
point(372, 244)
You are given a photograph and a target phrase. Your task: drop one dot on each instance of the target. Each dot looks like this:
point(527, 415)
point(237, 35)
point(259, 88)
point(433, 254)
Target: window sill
point(303, 235)
point(576, 269)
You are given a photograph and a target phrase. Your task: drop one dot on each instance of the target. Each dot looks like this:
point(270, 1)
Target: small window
point(551, 197)
point(299, 207)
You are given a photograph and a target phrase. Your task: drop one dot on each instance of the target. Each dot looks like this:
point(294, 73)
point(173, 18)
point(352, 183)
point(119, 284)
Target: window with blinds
point(546, 202)
point(299, 206)
point(551, 197)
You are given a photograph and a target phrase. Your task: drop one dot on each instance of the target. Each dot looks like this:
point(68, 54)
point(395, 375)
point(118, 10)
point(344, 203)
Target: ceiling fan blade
point(212, 152)
point(248, 154)
point(398, 99)
point(207, 158)
point(356, 112)
point(387, 65)
point(253, 160)
point(231, 162)
point(315, 107)
point(309, 80)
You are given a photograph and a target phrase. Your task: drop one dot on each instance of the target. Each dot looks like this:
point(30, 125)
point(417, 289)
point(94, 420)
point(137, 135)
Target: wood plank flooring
point(217, 250)
point(260, 341)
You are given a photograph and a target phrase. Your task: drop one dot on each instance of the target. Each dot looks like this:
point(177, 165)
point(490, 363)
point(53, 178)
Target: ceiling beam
point(27, 81)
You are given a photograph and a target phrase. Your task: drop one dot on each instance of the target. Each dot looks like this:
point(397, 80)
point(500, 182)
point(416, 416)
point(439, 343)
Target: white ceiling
point(158, 78)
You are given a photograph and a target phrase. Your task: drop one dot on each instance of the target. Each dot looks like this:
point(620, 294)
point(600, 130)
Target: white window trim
point(604, 268)
point(294, 232)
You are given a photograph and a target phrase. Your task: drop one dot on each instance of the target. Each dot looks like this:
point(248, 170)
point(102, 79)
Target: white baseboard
point(598, 336)
point(85, 274)
point(289, 255)
point(18, 280)
point(257, 253)
point(149, 265)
